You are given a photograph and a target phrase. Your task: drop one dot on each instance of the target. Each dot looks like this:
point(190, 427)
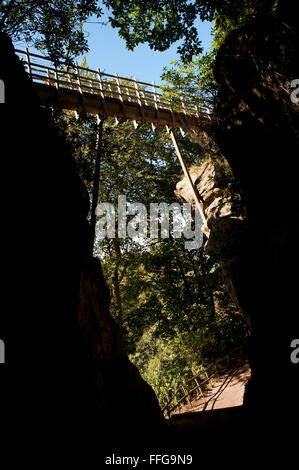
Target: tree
point(171, 304)
point(161, 23)
point(57, 25)
point(54, 25)
point(195, 78)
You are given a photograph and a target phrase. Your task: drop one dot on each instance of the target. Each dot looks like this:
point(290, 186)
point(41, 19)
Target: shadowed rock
point(258, 134)
point(66, 372)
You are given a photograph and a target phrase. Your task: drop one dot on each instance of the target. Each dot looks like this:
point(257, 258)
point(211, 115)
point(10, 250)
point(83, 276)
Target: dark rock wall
point(254, 233)
point(66, 380)
point(259, 135)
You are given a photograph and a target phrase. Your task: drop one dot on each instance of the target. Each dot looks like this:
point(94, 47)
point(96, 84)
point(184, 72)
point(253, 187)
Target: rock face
point(66, 372)
point(258, 134)
point(125, 402)
point(223, 211)
point(225, 219)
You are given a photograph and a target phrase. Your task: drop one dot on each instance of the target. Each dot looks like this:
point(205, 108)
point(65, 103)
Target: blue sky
point(108, 52)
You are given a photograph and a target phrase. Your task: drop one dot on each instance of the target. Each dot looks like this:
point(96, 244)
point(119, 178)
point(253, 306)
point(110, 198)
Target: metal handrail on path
point(190, 394)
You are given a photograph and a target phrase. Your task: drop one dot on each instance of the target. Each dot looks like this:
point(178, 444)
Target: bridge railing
point(84, 80)
point(197, 385)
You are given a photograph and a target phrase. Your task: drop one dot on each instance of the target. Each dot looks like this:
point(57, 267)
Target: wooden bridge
point(81, 89)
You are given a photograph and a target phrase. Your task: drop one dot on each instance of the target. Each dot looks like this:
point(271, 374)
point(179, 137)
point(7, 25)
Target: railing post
point(72, 87)
point(208, 112)
point(78, 78)
point(118, 87)
point(70, 80)
point(120, 97)
point(28, 63)
point(144, 98)
point(80, 85)
point(198, 386)
point(186, 395)
point(111, 91)
point(99, 75)
point(183, 105)
point(91, 85)
point(128, 94)
point(56, 78)
point(156, 105)
point(48, 76)
point(185, 115)
point(139, 101)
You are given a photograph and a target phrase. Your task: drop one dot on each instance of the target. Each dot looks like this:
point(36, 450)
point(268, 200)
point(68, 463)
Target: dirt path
point(226, 391)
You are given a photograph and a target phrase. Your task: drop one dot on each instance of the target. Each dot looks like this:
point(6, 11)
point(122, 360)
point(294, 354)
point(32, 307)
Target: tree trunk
point(116, 282)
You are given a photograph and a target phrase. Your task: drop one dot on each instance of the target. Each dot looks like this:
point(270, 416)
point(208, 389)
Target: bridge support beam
point(198, 203)
point(96, 182)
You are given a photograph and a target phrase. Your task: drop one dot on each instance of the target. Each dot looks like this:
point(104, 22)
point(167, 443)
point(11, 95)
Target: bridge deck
point(125, 110)
point(80, 89)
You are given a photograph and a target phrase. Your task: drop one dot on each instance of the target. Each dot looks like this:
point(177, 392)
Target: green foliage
point(55, 26)
point(195, 78)
point(160, 23)
point(192, 79)
point(179, 316)
point(175, 314)
point(157, 23)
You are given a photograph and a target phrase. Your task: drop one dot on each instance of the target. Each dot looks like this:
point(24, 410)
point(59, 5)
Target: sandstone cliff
point(225, 218)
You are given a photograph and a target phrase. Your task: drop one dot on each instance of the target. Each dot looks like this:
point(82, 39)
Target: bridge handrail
point(97, 82)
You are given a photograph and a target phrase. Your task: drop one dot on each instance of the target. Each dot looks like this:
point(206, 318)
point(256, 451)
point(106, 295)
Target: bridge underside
point(121, 110)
